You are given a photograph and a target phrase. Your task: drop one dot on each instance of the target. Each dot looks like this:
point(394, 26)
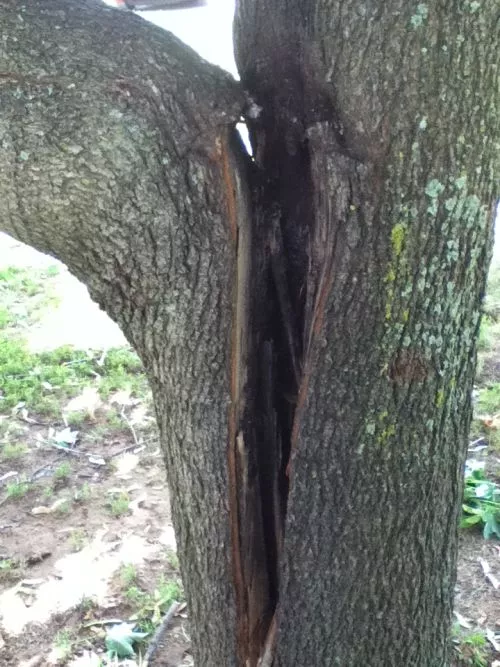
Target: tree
point(307, 318)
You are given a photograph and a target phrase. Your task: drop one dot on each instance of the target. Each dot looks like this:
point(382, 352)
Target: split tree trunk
point(307, 318)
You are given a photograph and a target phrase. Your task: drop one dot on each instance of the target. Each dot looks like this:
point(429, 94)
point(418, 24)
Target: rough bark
point(378, 141)
point(308, 320)
point(119, 156)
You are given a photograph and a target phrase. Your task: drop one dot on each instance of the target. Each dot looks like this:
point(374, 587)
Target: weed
point(75, 418)
point(135, 595)
point(64, 507)
point(114, 420)
point(83, 493)
point(17, 489)
point(488, 401)
point(63, 642)
point(63, 471)
point(151, 607)
point(119, 505)
point(87, 603)
point(8, 568)
point(471, 648)
point(122, 370)
point(128, 574)
point(6, 318)
point(45, 380)
point(172, 559)
point(481, 505)
point(52, 271)
point(13, 450)
point(77, 540)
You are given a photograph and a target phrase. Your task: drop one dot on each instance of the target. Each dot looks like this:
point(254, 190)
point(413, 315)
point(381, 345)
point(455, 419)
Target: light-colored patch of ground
point(76, 320)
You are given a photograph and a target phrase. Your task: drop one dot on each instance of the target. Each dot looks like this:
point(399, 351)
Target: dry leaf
point(462, 621)
point(488, 574)
point(88, 401)
point(491, 637)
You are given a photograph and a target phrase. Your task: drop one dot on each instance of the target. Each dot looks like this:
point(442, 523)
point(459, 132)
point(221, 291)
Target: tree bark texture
point(307, 317)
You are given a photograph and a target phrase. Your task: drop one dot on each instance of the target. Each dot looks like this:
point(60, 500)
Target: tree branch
point(112, 131)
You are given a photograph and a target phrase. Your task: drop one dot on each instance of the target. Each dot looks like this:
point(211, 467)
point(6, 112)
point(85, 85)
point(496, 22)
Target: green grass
point(488, 402)
point(24, 294)
point(44, 381)
point(9, 568)
point(17, 489)
point(119, 504)
point(128, 574)
point(64, 642)
point(150, 607)
point(12, 450)
point(470, 648)
point(63, 471)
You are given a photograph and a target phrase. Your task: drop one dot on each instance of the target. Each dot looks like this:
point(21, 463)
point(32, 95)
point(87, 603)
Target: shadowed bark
point(307, 318)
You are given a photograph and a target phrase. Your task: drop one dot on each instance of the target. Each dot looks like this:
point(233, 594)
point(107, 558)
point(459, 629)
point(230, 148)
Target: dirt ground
point(87, 543)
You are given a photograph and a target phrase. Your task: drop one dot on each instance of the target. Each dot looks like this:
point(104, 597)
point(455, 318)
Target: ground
point(87, 550)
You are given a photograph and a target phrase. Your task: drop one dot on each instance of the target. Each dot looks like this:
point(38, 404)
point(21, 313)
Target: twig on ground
point(160, 632)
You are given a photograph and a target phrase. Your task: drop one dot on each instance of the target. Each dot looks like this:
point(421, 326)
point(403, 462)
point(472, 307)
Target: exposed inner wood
point(288, 286)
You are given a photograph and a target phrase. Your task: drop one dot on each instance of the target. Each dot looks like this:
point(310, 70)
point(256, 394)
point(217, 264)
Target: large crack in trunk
point(286, 277)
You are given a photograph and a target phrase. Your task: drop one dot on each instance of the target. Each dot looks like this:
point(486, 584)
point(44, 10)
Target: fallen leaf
point(40, 509)
point(43, 509)
point(7, 475)
point(88, 401)
point(491, 637)
point(65, 437)
point(135, 504)
point(488, 574)
point(462, 621)
point(121, 397)
point(96, 460)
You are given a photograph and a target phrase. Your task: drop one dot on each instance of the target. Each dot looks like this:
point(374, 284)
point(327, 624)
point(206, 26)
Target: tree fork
point(307, 321)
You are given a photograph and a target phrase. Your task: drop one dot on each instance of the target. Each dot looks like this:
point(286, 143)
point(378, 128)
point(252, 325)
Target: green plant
point(128, 574)
point(17, 489)
point(471, 648)
point(77, 539)
point(63, 471)
point(9, 567)
point(172, 559)
point(488, 402)
point(481, 506)
point(75, 418)
point(119, 504)
point(64, 507)
point(63, 642)
point(154, 606)
point(83, 493)
point(13, 450)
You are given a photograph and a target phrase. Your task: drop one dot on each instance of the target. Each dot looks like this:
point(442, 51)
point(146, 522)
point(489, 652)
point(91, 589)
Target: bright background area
point(208, 29)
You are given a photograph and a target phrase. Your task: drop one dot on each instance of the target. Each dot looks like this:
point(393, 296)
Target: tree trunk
point(307, 318)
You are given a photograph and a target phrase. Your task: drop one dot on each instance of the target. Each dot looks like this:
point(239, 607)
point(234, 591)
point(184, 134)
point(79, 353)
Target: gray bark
point(119, 156)
point(379, 135)
point(307, 321)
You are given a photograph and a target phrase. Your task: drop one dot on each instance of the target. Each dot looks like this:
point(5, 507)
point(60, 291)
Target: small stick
point(160, 631)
